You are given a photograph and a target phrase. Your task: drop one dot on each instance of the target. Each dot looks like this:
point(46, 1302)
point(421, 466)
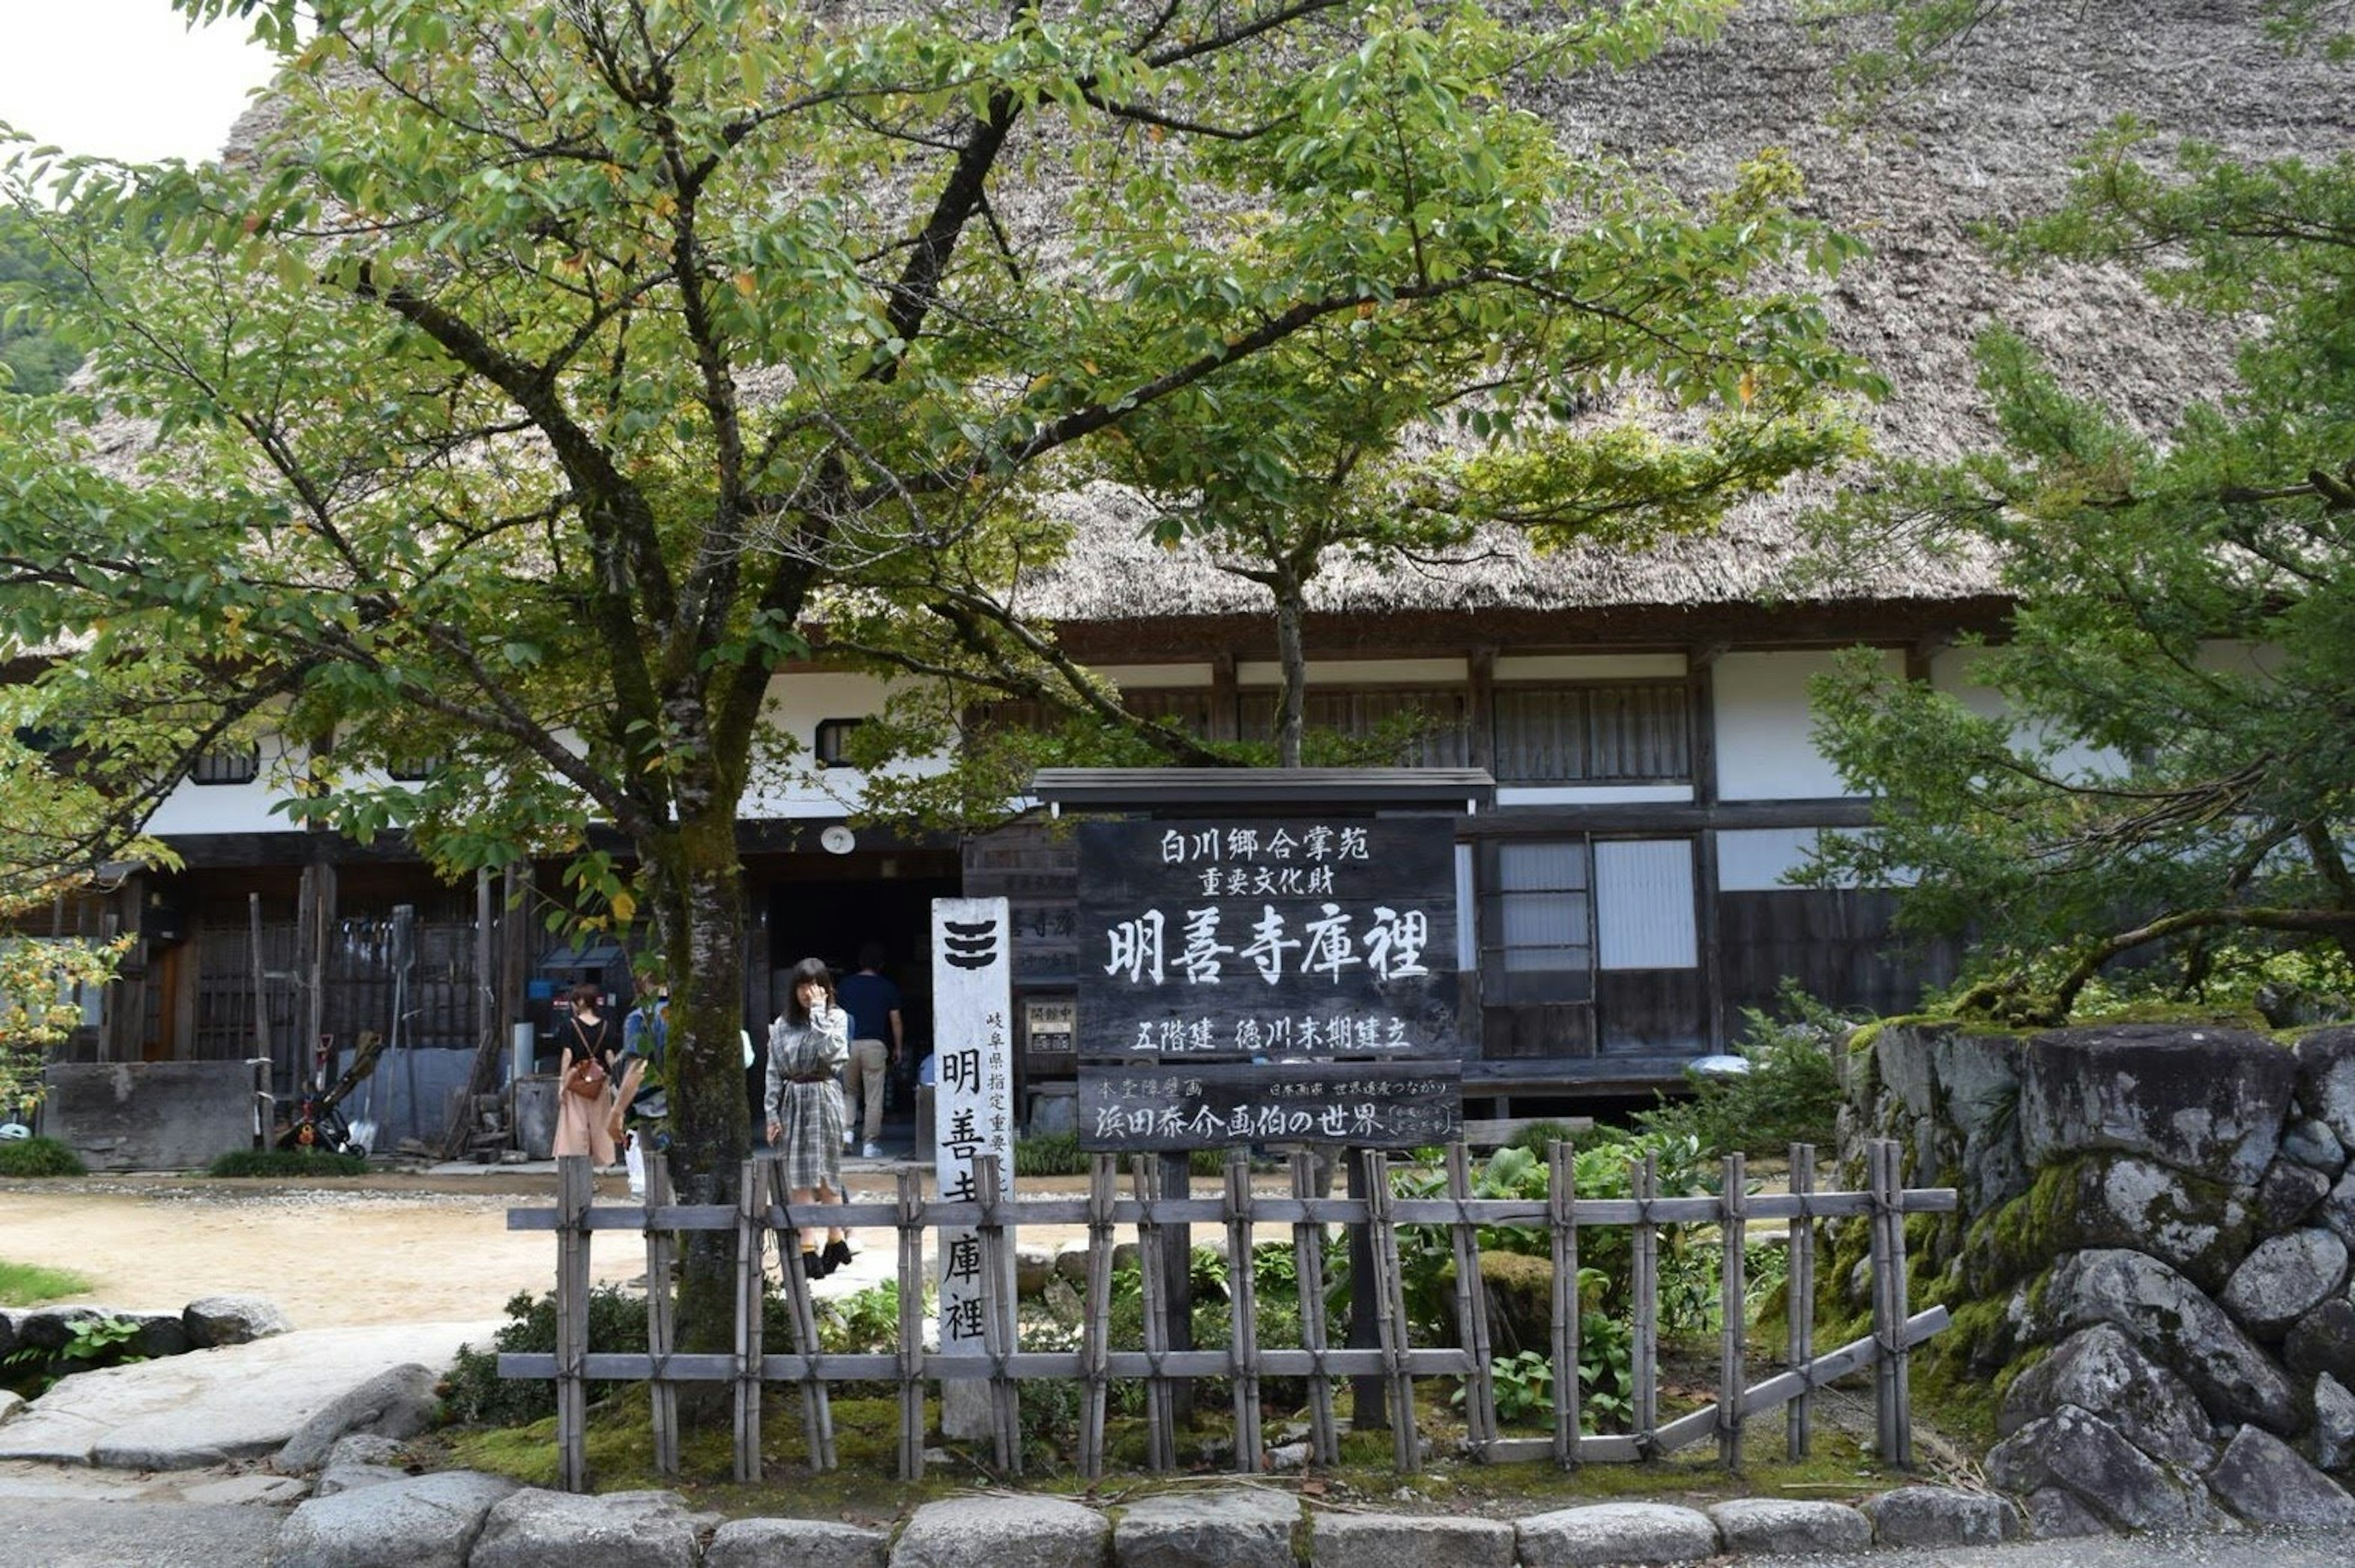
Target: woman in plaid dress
point(807, 1046)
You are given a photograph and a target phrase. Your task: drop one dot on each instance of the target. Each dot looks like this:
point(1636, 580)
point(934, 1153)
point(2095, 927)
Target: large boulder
point(2204, 1099)
point(2287, 1194)
point(2099, 1370)
point(2176, 1325)
point(2334, 1423)
point(2265, 1481)
point(232, 1320)
point(2283, 1279)
point(2090, 1459)
point(2199, 1227)
point(2324, 1341)
point(396, 1403)
point(619, 1529)
point(2325, 1080)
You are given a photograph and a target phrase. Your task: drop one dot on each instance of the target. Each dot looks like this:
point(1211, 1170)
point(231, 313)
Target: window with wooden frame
point(1430, 726)
point(1636, 731)
point(1537, 926)
point(229, 764)
point(830, 744)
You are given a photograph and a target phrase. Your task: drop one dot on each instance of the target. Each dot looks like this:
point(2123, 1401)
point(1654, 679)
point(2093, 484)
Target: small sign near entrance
point(1365, 1105)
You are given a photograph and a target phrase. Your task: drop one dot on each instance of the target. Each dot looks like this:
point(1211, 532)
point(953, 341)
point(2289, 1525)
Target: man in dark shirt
point(873, 1003)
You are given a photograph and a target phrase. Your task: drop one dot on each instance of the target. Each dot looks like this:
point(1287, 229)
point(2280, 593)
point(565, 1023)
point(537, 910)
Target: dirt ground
point(387, 1248)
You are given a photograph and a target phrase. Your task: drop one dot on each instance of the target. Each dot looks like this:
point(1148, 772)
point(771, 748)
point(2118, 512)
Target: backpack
point(585, 1078)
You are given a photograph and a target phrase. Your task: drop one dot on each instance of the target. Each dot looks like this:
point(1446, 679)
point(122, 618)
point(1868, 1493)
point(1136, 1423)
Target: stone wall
point(2151, 1265)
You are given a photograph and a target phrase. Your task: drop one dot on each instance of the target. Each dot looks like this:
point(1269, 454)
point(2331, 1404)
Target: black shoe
point(836, 1254)
point(817, 1265)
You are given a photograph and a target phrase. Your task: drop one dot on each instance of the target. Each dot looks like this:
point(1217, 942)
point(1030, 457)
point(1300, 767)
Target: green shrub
point(39, 1157)
point(1538, 1134)
point(1791, 1094)
point(473, 1393)
point(1050, 1154)
point(287, 1162)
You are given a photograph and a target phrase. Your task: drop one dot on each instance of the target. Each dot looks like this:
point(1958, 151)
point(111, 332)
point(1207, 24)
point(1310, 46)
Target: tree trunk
point(1291, 596)
point(699, 891)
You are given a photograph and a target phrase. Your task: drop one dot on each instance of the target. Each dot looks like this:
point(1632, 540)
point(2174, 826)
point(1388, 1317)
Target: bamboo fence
point(764, 1216)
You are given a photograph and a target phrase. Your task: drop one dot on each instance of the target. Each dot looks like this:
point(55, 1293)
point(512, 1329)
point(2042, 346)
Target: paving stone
point(797, 1543)
point(1790, 1526)
point(536, 1529)
point(1616, 1532)
point(423, 1522)
point(1407, 1541)
point(1939, 1515)
point(1227, 1528)
point(1003, 1533)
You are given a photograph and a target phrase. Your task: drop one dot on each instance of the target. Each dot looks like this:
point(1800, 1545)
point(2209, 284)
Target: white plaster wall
point(1360, 672)
point(1765, 727)
point(1954, 671)
point(1589, 795)
point(233, 808)
point(798, 701)
point(1589, 666)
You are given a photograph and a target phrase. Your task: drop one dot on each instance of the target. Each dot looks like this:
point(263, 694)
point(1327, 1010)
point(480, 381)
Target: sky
point(124, 78)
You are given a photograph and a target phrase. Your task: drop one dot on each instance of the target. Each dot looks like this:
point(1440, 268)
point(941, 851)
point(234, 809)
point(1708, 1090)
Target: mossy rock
point(1520, 1301)
point(2200, 1227)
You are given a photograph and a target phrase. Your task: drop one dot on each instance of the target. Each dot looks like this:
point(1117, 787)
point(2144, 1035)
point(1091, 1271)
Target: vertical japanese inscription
point(973, 1089)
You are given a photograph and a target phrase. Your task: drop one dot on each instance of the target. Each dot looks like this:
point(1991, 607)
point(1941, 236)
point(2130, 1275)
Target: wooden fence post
point(748, 1244)
point(1892, 1396)
point(1471, 1307)
point(911, 1324)
point(1733, 1311)
point(1095, 1329)
point(1406, 1447)
point(997, 1318)
point(576, 1188)
point(1799, 1296)
point(1309, 1250)
point(1153, 1265)
point(1242, 1307)
point(1562, 1213)
point(1644, 1293)
point(662, 1330)
point(817, 1409)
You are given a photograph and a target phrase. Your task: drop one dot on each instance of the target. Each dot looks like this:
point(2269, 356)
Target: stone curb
point(494, 1525)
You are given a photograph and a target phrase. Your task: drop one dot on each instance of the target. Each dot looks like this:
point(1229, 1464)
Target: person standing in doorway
point(807, 1046)
point(876, 1036)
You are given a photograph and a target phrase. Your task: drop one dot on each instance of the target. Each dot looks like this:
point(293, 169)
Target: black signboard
point(1295, 939)
point(1363, 1104)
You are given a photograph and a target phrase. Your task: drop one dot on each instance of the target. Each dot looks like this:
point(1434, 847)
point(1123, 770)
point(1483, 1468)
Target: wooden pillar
point(1368, 1402)
point(1225, 720)
point(1701, 703)
point(1481, 708)
point(1177, 1253)
point(515, 944)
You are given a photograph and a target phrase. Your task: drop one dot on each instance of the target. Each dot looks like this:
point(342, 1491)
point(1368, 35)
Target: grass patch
point(39, 1157)
point(286, 1162)
point(30, 1285)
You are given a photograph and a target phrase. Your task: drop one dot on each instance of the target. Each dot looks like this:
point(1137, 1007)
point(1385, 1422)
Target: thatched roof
point(1990, 142)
